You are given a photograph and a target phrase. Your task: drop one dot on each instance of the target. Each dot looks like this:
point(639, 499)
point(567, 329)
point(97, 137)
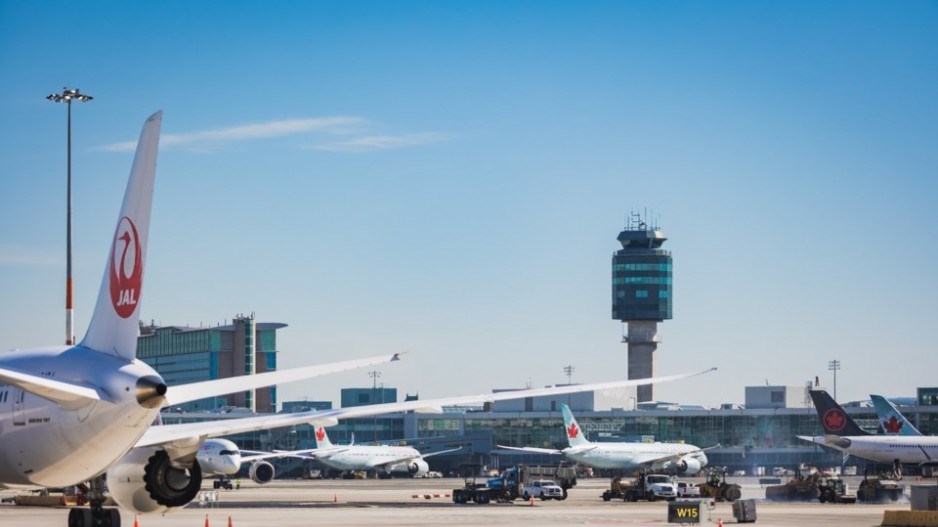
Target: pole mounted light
point(834, 365)
point(67, 96)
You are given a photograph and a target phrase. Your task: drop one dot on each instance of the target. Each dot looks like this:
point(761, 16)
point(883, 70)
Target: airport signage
point(684, 512)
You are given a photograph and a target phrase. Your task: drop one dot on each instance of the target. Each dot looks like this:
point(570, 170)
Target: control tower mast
point(641, 295)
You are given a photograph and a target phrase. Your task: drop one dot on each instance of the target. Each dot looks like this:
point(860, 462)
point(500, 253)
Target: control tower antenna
point(641, 294)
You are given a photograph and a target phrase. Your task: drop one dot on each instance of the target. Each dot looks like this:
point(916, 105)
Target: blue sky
point(449, 178)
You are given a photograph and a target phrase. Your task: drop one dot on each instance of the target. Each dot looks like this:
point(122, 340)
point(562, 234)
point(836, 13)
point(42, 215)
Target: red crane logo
point(126, 268)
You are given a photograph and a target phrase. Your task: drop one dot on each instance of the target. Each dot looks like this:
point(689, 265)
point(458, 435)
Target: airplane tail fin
point(833, 418)
point(114, 324)
point(322, 440)
point(574, 433)
point(893, 422)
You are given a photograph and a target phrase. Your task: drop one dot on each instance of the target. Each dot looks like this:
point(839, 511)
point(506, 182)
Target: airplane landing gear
point(897, 469)
point(223, 483)
point(96, 515)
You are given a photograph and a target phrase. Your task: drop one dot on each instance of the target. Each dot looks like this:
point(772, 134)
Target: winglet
point(114, 325)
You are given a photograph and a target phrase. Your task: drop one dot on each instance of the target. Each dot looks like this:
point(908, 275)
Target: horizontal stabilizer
point(201, 390)
point(63, 393)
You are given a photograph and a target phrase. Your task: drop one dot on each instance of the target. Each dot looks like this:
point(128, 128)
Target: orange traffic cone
point(136, 521)
point(335, 498)
point(229, 521)
point(720, 522)
point(206, 521)
point(532, 500)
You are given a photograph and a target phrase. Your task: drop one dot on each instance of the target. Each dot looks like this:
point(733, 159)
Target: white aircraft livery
point(669, 457)
point(842, 433)
point(383, 459)
point(70, 414)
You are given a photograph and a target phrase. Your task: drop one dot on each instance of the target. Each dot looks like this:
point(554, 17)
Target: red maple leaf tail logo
point(892, 425)
point(320, 433)
point(573, 431)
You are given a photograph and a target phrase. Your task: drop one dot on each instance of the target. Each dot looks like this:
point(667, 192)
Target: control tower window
point(641, 293)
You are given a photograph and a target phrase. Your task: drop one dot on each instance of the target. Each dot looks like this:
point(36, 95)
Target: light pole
point(374, 374)
point(834, 365)
point(569, 371)
point(67, 95)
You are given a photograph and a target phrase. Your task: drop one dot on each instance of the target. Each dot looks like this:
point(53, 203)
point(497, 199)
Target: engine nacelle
point(145, 481)
point(261, 472)
point(689, 466)
point(415, 468)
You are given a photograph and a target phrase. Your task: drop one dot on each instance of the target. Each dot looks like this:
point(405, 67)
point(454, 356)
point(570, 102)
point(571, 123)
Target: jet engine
point(689, 465)
point(261, 472)
point(146, 481)
point(418, 468)
point(415, 468)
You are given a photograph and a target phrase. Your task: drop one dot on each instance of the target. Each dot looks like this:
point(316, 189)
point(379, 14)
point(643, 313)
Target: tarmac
point(424, 502)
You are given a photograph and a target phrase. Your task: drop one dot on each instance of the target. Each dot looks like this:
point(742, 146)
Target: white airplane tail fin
point(114, 325)
point(322, 440)
point(574, 433)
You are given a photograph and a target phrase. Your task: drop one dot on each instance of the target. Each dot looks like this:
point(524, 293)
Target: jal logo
point(834, 420)
point(892, 425)
point(320, 433)
point(573, 431)
point(126, 268)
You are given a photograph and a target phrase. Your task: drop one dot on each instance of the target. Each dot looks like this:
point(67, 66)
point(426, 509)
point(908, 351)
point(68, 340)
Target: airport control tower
point(641, 295)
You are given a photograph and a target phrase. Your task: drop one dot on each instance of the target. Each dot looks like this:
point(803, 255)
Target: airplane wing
point(184, 393)
point(532, 449)
point(303, 454)
point(425, 456)
point(186, 432)
point(63, 393)
point(677, 457)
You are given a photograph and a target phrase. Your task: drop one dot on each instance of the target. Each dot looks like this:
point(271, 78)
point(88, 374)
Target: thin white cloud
point(207, 140)
point(382, 142)
point(20, 256)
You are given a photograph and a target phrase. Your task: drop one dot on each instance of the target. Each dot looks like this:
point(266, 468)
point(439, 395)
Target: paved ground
point(390, 503)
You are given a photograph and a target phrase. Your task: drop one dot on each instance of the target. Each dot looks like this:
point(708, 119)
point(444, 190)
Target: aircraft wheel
point(79, 517)
point(527, 497)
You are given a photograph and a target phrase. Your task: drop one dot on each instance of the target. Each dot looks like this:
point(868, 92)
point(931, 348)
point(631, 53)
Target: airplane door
point(19, 407)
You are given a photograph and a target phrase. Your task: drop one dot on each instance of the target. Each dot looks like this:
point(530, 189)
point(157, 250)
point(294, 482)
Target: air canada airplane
point(892, 422)
point(385, 460)
point(843, 434)
point(70, 414)
point(667, 457)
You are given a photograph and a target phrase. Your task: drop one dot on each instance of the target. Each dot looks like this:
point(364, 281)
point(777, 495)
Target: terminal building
point(183, 354)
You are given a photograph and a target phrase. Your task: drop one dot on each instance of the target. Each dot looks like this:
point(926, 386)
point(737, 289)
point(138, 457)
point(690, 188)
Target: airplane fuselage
point(370, 457)
point(35, 432)
point(885, 449)
point(632, 455)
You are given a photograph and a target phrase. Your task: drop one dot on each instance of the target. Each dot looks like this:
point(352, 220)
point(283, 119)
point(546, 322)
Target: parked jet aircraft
point(891, 421)
point(843, 434)
point(72, 413)
point(671, 457)
point(385, 460)
point(221, 457)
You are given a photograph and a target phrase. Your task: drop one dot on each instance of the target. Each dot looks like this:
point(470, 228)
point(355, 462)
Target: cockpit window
point(229, 453)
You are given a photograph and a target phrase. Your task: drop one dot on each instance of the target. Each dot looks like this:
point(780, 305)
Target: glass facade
point(183, 355)
point(642, 284)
